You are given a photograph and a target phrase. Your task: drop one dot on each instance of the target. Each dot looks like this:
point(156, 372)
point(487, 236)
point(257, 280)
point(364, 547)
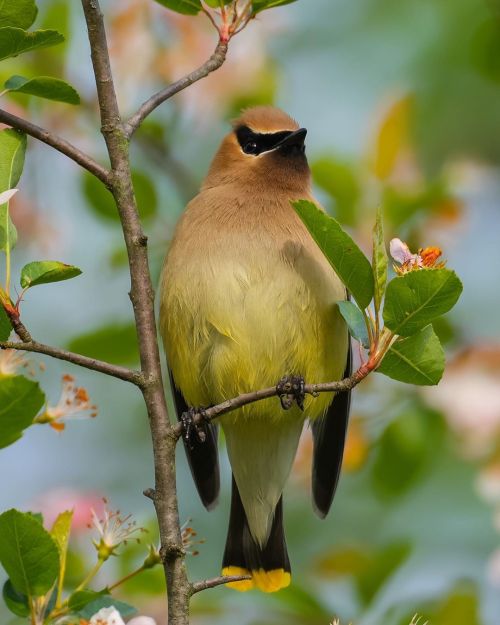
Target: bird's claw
point(193, 431)
point(291, 388)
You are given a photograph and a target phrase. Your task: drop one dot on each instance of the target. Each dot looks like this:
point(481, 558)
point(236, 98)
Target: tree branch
point(122, 373)
point(217, 581)
point(213, 63)
point(229, 405)
point(142, 297)
point(61, 145)
point(27, 344)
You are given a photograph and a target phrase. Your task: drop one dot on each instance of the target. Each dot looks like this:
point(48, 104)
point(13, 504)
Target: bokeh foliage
point(408, 531)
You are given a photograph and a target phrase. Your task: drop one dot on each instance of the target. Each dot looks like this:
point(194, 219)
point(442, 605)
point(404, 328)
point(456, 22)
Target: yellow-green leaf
point(60, 533)
point(12, 152)
point(45, 271)
point(379, 261)
point(392, 137)
point(17, 13)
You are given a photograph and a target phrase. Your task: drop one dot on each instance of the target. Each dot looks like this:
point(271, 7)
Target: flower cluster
point(74, 402)
point(11, 361)
point(188, 535)
point(111, 616)
point(427, 257)
point(112, 531)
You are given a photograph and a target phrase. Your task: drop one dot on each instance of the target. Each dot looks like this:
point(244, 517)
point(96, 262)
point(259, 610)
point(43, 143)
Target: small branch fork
point(213, 63)
point(56, 142)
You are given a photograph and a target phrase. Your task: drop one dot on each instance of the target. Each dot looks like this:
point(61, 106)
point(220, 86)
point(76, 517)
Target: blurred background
point(402, 104)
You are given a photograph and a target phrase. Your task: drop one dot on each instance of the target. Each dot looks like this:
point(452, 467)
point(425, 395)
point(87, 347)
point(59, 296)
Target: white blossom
point(107, 616)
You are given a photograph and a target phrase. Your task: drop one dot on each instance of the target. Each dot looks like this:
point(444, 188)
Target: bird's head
point(265, 150)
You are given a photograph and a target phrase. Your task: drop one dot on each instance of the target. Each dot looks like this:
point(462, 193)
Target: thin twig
point(213, 63)
point(249, 398)
point(27, 344)
point(211, 18)
point(61, 145)
point(205, 584)
point(115, 371)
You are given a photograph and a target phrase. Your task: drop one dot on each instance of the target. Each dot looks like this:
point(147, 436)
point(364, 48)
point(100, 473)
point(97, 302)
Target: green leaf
point(416, 298)
point(215, 4)
point(379, 261)
point(15, 41)
point(28, 553)
point(81, 598)
point(61, 529)
point(12, 152)
point(187, 7)
point(45, 271)
point(116, 343)
point(418, 359)
point(261, 5)
point(107, 601)
point(16, 602)
point(17, 13)
point(5, 326)
point(355, 322)
point(102, 203)
point(60, 533)
point(20, 401)
point(349, 262)
point(44, 87)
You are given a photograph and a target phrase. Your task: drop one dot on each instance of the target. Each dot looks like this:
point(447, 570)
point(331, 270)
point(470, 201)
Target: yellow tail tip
point(266, 581)
point(271, 581)
point(244, 585)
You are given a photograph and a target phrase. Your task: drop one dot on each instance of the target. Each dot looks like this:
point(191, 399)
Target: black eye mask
point(257, 143)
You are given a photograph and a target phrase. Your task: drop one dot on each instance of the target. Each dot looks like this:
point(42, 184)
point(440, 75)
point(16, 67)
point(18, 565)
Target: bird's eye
point(250, 147)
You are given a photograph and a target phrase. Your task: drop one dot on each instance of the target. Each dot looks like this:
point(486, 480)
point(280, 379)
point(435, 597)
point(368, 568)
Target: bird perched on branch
point(247, 297)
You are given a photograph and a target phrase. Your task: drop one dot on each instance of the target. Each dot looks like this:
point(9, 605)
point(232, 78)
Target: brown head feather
point(268, 172)
point(266, 119)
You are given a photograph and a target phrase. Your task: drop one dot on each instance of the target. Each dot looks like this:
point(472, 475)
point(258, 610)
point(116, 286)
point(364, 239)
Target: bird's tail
point(269, 565)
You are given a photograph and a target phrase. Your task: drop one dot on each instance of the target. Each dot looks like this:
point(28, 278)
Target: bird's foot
point(291, 388)
point(193, 430)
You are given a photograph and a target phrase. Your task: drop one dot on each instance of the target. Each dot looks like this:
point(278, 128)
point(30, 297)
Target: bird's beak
point(294, 139)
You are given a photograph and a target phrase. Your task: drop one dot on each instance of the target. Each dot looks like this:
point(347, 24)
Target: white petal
point(142, 620)
point(109, 616)
point(6, 195)
point(400, 251)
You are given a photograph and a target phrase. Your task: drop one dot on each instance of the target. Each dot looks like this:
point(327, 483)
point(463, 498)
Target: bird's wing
point(329, 434)
point(203, 456)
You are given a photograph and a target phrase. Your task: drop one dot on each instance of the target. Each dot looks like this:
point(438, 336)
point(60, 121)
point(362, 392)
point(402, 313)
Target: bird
point(246, 298)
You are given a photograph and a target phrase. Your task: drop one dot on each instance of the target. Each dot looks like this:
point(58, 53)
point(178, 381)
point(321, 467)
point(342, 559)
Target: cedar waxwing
point(247, 297)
